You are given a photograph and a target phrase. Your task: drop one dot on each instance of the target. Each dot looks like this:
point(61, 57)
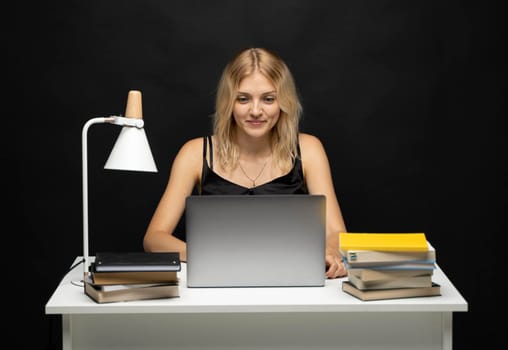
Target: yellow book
point(411, 242)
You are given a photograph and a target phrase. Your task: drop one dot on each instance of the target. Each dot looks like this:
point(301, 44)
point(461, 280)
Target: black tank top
point(213, 184)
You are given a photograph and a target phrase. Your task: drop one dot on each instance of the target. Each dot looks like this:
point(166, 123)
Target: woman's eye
point(242, 99)
point(269, 99)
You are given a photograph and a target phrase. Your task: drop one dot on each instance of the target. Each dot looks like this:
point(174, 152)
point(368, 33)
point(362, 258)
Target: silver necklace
point(253, 180)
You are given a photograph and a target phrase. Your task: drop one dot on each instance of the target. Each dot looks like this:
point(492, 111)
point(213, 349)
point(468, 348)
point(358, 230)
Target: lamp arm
point(84, 156)
point(116, 120)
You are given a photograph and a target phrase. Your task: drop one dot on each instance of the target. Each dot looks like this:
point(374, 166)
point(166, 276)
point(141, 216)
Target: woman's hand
point(334, 265)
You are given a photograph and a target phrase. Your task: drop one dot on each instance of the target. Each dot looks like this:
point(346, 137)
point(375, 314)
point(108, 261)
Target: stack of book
point(388, 265)
point(129, 276)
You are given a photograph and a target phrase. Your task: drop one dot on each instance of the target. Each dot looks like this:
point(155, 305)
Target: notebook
point(255, 240)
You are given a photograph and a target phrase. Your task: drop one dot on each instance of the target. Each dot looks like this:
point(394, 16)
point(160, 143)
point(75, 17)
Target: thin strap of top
point(208, 139)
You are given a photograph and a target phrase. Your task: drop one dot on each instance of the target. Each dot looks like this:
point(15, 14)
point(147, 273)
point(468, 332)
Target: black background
point(405, 95)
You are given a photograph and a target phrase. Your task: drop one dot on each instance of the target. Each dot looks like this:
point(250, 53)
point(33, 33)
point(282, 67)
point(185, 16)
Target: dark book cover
point(136, 261)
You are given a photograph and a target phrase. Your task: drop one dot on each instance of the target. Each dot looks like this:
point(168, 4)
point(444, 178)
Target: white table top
point(70, 299)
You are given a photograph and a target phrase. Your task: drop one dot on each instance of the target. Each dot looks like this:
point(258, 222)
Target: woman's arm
point(185, 174)
point(319, 181)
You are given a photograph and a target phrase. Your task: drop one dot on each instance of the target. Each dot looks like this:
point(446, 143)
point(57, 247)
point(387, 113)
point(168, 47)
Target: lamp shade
point(131, 152)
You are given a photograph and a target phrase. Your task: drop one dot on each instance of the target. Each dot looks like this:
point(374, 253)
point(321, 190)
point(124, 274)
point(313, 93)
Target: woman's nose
point(256, 109)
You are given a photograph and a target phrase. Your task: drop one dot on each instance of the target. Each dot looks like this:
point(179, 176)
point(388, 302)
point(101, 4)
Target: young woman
point(256, 148)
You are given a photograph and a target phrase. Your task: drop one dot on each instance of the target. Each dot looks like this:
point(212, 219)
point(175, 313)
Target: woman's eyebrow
point(263, 93)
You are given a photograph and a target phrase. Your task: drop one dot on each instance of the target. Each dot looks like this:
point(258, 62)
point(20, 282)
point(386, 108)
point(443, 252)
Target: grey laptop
point(255, 241)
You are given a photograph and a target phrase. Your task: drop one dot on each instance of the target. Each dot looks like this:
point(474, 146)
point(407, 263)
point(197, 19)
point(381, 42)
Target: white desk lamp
point(130, 152)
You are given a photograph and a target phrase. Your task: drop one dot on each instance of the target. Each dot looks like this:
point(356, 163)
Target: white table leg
point(66, 332)
point(447, 330)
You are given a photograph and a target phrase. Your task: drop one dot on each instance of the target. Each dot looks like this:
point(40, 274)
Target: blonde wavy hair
point(284, 136)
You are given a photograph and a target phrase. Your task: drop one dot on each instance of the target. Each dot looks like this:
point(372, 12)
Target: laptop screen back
point(255, 241)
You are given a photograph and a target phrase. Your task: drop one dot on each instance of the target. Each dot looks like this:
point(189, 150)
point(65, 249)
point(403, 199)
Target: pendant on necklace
point(248, 177)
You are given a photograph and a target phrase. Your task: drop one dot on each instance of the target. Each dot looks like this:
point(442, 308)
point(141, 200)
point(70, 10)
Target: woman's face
point(256, 109)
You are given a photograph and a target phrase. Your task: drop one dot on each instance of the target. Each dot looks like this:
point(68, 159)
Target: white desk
point(257, 318)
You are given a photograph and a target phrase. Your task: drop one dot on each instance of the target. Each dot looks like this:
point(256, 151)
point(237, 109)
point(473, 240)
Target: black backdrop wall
point(405, 95)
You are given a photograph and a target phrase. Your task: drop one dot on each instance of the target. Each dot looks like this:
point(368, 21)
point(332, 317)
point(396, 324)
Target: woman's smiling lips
point(255, 122)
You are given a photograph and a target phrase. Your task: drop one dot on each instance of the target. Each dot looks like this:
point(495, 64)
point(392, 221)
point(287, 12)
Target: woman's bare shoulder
point(193, 144)
point(191, 149)
point(312, 150)
point(309, 141)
